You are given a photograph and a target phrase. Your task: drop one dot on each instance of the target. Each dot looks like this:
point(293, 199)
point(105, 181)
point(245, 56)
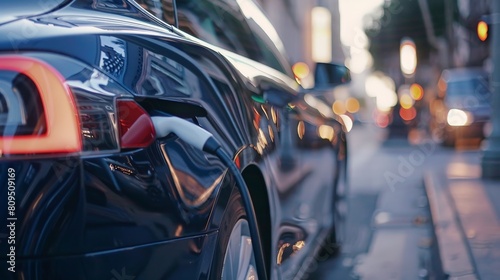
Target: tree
point(403, 18)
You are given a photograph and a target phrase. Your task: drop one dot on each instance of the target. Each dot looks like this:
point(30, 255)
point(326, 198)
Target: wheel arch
point(255, 181)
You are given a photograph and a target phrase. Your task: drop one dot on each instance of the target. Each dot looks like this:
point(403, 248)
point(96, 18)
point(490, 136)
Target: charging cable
point(204, 141)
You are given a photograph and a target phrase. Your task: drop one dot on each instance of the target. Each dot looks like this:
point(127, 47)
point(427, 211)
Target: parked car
point(108, 119)
point(462, 109)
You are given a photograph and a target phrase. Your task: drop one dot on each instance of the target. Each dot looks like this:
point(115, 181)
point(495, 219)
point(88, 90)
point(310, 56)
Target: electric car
point(132, 150)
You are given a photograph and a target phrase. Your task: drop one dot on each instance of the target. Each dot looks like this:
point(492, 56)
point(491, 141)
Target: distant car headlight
point(457, 117)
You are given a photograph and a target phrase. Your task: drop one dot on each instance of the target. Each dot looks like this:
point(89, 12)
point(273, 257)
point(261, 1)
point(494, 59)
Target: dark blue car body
point(154, 212)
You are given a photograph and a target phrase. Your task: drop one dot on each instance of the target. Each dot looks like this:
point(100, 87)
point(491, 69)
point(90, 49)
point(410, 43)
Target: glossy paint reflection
point(156, 211)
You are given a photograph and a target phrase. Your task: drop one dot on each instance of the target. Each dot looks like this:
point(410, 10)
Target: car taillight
point(135, 125)
point(38, 112)
point(44, 112)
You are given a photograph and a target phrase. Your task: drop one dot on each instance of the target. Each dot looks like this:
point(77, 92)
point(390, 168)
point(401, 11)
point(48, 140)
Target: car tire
point(234, 257)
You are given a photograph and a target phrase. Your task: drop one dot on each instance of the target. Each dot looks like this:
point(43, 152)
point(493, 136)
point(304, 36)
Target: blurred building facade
point(293, 21)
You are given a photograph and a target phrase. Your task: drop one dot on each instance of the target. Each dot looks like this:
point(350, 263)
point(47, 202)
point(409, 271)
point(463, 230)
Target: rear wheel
point(239, 259)
point(235, 258)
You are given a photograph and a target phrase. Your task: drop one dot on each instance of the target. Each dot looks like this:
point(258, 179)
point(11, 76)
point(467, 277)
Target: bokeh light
point(457, 117)
point(408, 57)
point(300, 70)
point(482, 30)
point(360, 61)
point(406, 101)
point(383, 88)
point(347, 122)
point(301, 129)
point(381, 119)
point(321, 34)
point(416, 91)
point(352, 105)
point(326, 132)
point(408, 114)
point(442, 85)
point(338, 107)
point(386, 101)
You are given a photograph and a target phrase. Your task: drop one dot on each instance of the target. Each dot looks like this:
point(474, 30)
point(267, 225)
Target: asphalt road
point(389, 231)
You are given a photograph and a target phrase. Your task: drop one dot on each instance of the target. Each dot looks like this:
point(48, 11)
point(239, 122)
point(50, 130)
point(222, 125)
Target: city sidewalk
point(465, 211)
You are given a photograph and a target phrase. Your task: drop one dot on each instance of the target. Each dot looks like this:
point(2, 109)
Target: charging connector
point(204, 141)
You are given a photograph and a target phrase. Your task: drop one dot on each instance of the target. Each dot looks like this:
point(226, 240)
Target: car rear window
point(462, 91)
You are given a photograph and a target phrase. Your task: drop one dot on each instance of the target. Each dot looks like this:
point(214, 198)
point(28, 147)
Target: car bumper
point(184, 258)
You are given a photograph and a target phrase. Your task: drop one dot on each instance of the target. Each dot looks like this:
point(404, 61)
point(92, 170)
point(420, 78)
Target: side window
point(168, 77)
point(267, 37)
point(224, 24)
point(219, 23)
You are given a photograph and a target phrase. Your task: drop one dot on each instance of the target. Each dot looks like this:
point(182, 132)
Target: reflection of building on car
point(461, 109)
point(237, 26)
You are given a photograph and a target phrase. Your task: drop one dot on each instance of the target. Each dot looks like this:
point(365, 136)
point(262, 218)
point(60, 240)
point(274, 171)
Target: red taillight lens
point(135, 125)
point(38, 112)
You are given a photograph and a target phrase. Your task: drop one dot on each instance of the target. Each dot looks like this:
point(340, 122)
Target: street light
point(482, 30)
point(321, 34)
point(408, 57)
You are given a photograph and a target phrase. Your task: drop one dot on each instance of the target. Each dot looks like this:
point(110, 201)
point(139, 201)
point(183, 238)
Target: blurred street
point(390, 232)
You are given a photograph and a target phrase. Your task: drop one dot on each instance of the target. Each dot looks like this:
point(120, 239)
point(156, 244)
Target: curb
point(453, 251)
